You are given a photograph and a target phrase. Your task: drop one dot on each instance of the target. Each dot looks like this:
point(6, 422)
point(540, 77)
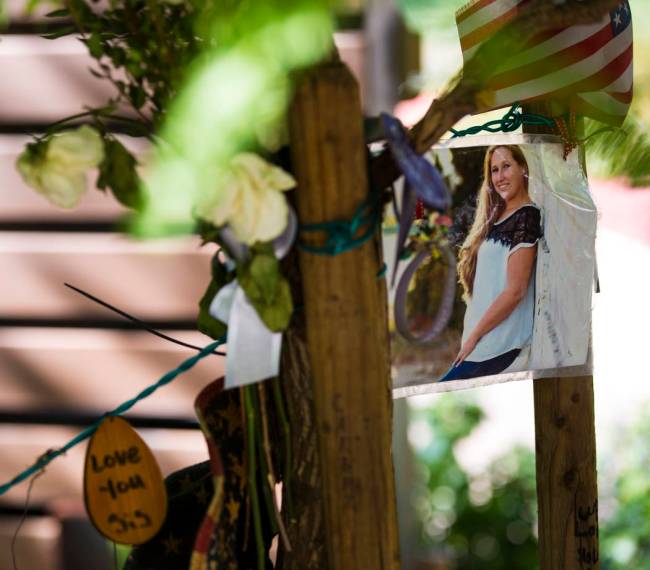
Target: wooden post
point(565, 449)
point(567, 493)
point(347, 331)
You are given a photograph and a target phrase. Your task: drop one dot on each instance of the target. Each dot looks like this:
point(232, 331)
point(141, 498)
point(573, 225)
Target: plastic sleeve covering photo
point(518, 244)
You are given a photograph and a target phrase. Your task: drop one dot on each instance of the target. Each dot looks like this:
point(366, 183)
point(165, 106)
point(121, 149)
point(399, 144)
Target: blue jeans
point(468, 369)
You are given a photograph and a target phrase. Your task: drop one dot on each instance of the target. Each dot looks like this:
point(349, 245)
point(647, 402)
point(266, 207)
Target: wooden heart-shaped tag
point(124, 490)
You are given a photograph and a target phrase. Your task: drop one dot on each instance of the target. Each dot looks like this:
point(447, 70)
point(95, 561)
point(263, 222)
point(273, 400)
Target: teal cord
point(47, 457)
point(510, 122)
point(341, 233)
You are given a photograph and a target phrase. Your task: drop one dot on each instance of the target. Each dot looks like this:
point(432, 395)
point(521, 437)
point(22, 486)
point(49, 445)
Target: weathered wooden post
point(565, 448)
point(347, 332)
point(567, 492)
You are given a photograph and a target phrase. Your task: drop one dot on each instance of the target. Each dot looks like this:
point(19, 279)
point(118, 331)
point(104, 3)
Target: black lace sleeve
point(527, 226)
point(523, 227)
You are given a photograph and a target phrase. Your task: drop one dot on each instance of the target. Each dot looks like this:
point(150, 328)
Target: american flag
point(588, 66)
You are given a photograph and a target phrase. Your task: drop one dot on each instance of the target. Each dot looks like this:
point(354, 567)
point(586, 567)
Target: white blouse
point(522, 228)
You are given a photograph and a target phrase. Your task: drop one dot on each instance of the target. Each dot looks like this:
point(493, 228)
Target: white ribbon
point(253, 350)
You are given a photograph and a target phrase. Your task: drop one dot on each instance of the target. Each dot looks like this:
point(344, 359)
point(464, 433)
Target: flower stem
point(286, 439)
point(252, 486)
point(271, 479)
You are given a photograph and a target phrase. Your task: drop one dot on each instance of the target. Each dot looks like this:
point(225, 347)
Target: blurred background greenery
point(465, 521)
point(488, 520)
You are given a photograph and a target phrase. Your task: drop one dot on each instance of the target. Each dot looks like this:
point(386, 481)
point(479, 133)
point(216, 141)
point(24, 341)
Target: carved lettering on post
point(586, 533)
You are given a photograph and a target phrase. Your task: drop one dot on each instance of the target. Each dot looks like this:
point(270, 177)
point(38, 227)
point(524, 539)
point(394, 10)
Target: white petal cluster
point(59, 173)
point(249, 198)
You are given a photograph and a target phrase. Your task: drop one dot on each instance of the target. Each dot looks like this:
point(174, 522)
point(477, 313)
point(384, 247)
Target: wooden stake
point(565, 448)
point(567, 492)
point(347, 332)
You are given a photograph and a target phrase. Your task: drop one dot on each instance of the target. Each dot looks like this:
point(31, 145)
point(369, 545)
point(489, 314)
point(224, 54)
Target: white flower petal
point(62, 188)
point(278, 179)
point(79, 149)
point(246, 216)
point(266, 175)
point(248, 161)
point(218, 206)
point(29, 170)
point(273, 220)
point(249, 199)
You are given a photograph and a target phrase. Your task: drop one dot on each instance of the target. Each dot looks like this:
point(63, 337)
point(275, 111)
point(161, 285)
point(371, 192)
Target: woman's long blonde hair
point(489, 207)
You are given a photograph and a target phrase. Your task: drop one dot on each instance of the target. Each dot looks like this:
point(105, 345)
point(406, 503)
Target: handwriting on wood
point(586, 531)
point(123, 488)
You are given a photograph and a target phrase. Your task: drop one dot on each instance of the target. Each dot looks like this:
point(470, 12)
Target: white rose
point(58, 171)
point(80, 149)
point(250, 199)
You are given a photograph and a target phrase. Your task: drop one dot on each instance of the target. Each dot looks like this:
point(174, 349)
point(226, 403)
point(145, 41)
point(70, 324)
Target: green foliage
point(482, 522)
point(625, 534)
point(619, 152)
point(267, 290)
point(487, 522)
point(143, 47)
point(118, 172)
point(206, 323)
point(121, 551)
point(35, 151)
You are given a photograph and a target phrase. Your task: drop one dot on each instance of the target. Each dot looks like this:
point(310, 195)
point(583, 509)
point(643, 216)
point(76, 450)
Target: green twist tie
point(510, 122)
point(341, 233)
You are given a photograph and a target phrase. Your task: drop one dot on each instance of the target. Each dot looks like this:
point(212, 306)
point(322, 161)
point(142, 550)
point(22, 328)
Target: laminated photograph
point(499, 286)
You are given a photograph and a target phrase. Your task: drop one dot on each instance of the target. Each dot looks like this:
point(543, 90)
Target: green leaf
point(117, 54)
point(118, 172)
point(219, 272)
point(267, 290)
point(94, 44)
point(60, 32)
point(265, 271)
point(36, 150)
point(96, 73)
point(205, 322)
point(208, 232)
point(137, 96)
point(135, 70)
point(276, 315)
point(619, 152)
point(61, 13)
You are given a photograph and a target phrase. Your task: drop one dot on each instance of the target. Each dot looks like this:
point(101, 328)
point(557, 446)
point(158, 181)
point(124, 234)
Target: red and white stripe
point(586, 65)
point(480, 19)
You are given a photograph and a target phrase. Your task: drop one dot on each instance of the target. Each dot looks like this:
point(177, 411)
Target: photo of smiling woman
point(496, 270)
